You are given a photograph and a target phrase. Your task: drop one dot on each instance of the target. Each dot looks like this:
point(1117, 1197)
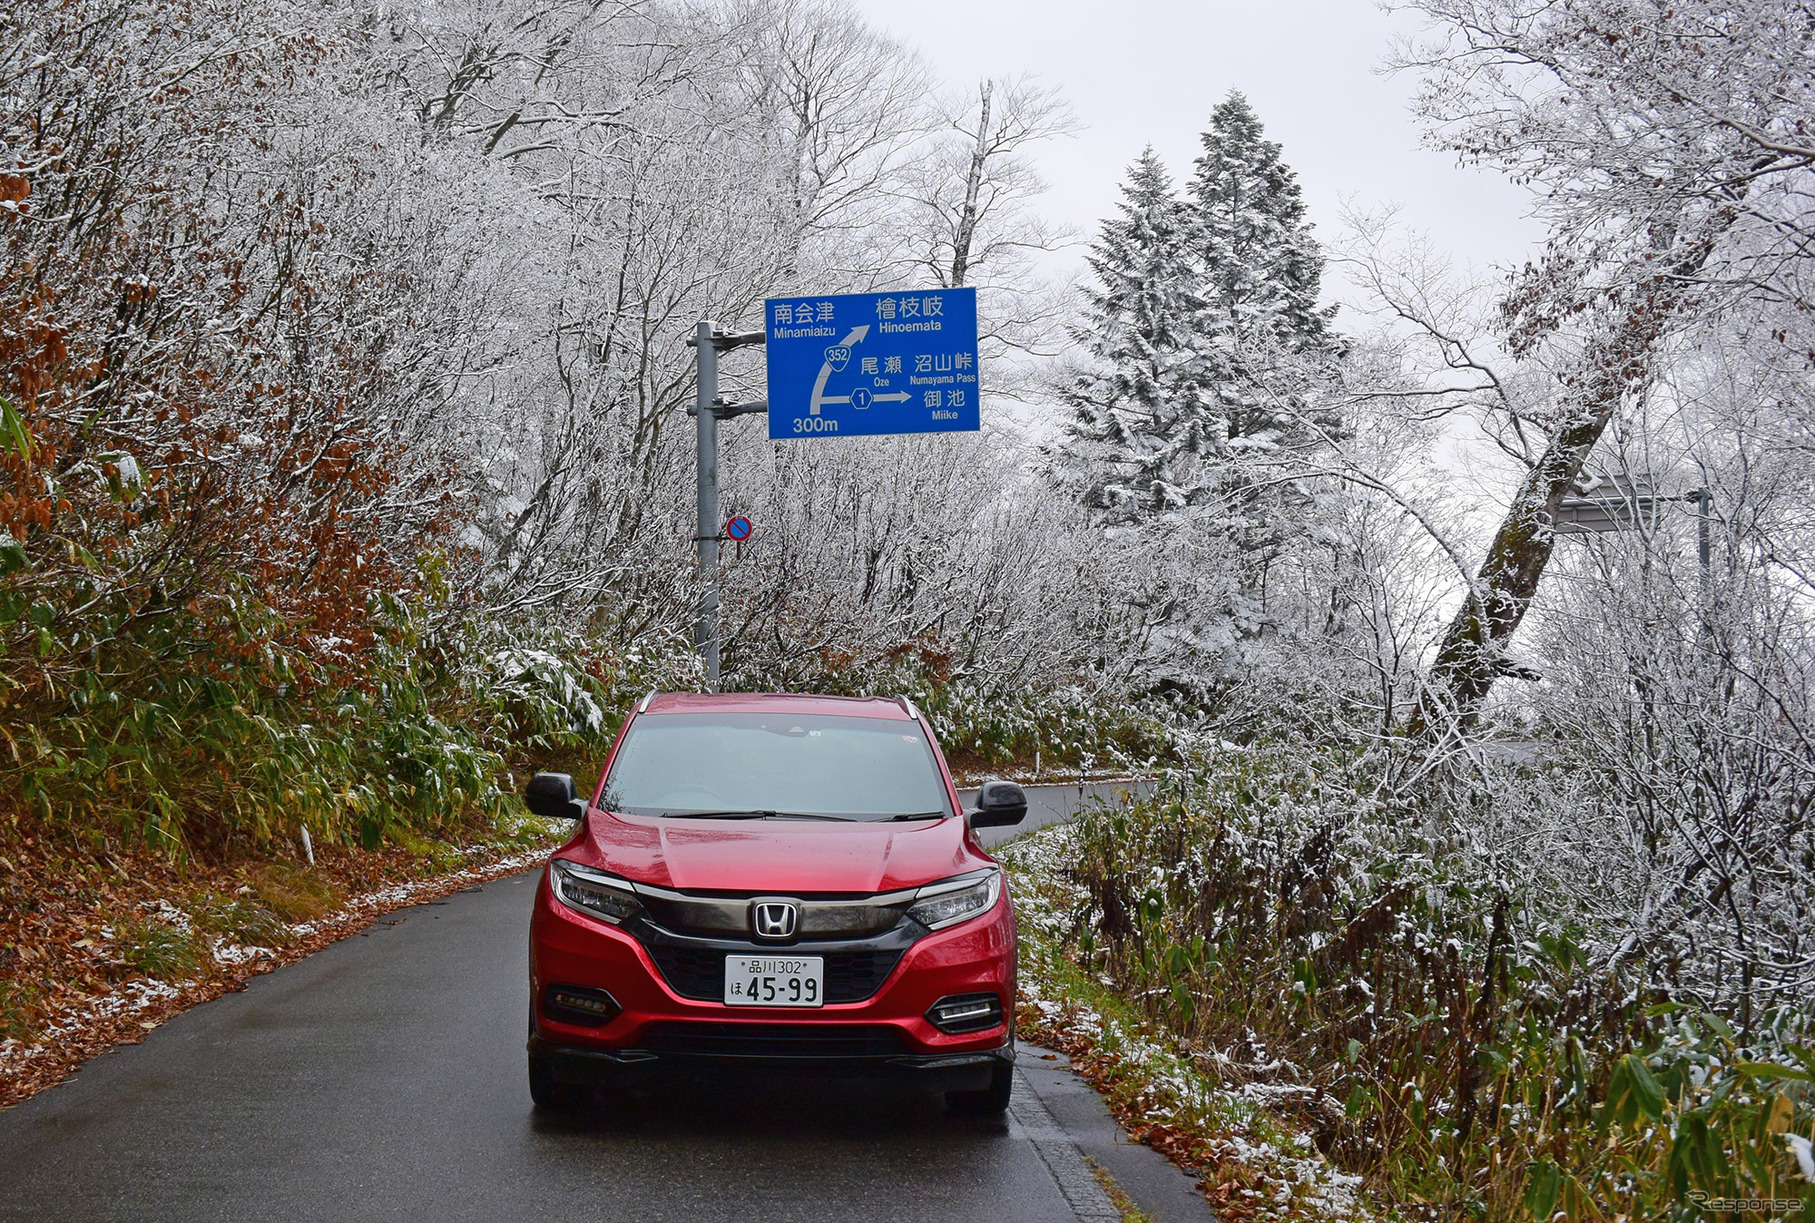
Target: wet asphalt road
point(383, 1078)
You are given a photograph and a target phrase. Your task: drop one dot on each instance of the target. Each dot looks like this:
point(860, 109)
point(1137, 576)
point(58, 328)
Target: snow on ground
point(400, 895)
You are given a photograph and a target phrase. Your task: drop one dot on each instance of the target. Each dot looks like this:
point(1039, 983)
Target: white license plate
point(775, 980)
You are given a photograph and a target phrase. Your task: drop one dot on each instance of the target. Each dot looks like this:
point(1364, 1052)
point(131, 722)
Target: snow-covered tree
point(1204, 359)
point(1260, 334)
point(1667, 145)
point(1131, 407)
point(1204, 329)
point(1259, 262)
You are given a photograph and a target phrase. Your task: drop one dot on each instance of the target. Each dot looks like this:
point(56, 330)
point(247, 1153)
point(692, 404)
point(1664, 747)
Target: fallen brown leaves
point(1225, 1183)
point(65, 970)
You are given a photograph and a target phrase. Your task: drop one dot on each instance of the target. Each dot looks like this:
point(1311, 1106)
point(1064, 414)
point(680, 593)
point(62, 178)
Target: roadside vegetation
point(1282, 983)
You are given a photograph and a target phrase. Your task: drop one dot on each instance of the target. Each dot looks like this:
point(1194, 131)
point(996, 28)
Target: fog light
point(957, 1013)
point(592, 1008)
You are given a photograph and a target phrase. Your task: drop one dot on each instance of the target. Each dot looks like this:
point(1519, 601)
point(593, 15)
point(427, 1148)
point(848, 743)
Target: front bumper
point(659, 1027)
point(966, 1071)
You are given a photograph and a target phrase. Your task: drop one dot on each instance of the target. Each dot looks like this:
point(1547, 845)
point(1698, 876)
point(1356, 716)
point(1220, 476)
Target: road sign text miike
point(868, 363)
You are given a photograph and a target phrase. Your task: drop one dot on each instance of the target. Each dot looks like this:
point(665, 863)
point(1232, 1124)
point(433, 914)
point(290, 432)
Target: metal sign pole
point(705, 354)
point(708, 341)
point(1702, 549)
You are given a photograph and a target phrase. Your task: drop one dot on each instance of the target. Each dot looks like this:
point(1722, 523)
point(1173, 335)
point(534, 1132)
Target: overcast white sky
point(1149, 71)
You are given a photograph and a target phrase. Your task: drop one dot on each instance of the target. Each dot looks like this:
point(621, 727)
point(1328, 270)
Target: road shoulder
point(1077, 1120)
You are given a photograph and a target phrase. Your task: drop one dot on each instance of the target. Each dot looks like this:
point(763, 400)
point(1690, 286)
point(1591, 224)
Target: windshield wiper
point(754, 815)
point(921, 815)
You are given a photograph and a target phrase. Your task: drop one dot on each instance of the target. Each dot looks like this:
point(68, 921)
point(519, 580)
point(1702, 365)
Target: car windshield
point(776, 765)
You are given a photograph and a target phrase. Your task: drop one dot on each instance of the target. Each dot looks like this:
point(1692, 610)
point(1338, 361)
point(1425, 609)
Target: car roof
point(777, 702)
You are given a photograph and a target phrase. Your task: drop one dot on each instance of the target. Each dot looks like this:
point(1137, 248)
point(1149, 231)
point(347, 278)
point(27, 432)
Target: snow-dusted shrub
point(1419, 986)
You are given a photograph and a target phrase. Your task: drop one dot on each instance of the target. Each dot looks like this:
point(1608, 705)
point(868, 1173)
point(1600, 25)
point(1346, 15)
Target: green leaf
point(12, 430)
point(1771, 1070)
point(1576, 1202)
point(1632, 1092)
point(12, 554)
point(1707, 1158)
point(1645, 1089)
point(1676, 1169)
point(1544, 1182)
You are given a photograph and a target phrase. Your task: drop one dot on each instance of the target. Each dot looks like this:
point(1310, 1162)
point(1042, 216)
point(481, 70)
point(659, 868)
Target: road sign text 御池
point(863, 363)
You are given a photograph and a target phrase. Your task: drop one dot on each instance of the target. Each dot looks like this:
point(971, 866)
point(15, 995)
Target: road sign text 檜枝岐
point(864, 363)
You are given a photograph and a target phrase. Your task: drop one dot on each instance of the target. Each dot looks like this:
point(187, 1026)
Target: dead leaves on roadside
point(1232, 1187)
point(100, 945)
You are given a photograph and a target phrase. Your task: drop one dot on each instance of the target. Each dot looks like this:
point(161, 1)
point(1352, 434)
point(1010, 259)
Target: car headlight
point(950, 901)
point(593, 893)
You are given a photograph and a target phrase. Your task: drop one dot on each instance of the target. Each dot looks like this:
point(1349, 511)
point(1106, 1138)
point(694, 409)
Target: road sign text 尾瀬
point(865, 363)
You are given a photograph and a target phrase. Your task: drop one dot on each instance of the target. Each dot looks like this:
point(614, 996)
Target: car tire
point(550, 1095)
point(992, 1101)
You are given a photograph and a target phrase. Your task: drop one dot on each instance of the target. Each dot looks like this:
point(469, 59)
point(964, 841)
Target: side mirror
point(551, 796)
point(999, 805)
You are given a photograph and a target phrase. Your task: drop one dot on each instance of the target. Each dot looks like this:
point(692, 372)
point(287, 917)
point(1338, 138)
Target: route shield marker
point(856, 364)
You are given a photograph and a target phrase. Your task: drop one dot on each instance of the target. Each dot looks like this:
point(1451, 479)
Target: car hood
point(783, 856)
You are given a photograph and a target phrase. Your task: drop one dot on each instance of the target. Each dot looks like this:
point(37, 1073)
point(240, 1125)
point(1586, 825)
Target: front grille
point(729, 917)
point(691, 973)
point(852, 976)
point(773, 1039)
point(699, 973)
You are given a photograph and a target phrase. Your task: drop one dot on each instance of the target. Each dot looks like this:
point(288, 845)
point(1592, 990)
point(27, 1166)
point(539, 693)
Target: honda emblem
point(774, 919)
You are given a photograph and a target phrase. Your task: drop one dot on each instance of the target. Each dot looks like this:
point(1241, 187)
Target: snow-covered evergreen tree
point(1259, 333)
point(1203, 336)
point(1201, 355)
point(1130, 401)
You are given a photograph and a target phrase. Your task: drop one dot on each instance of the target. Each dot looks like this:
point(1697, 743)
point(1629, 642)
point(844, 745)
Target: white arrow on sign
point(825, 371)
point(894, 397)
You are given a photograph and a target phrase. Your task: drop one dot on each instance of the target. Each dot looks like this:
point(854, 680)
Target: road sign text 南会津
point(865, 363)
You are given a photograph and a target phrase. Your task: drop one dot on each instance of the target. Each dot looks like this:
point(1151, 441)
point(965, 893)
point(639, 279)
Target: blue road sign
point(739, 528)
point(864, 363)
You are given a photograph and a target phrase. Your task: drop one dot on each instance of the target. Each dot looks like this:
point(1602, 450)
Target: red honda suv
point(769, 881)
